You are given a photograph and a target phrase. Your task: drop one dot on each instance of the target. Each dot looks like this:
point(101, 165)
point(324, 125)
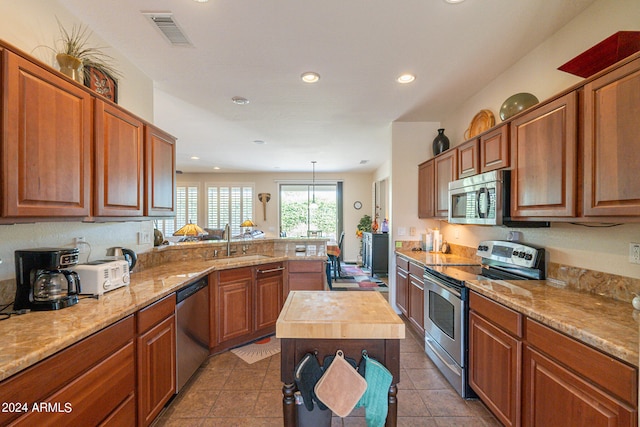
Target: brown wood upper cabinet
point(446, 170)
point(46, 152)
point(468, 158)
point(543, 157)
point(160, 172)
point(119, 162)
point(494, 149)
point(426, 189)
point(611, 145)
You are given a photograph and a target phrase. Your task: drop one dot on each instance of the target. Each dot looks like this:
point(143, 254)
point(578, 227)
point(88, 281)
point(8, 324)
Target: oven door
point(443, 318)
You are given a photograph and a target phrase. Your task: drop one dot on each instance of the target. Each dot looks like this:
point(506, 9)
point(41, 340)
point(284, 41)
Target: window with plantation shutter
point(229, 204)
point(186, 210)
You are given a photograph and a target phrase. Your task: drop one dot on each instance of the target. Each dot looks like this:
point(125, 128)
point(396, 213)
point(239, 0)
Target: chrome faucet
point(227, 232)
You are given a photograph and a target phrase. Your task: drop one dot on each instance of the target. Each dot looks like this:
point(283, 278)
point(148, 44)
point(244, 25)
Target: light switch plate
point(144, 238)
point(634, 253)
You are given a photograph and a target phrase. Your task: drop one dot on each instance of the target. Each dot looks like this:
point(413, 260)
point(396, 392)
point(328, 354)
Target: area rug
point(355, 278)
point(258, 350)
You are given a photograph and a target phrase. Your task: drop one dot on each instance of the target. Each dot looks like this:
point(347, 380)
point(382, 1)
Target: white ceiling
point(258, 49)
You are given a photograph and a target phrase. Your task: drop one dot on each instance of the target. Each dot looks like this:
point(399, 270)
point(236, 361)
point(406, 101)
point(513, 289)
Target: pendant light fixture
point(313, 204)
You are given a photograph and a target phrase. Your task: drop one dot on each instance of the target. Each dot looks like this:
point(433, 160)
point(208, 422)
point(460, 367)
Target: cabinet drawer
point(156, 312)
point(234, 274)
point(306, 266)
point(402, 263)
point(40, 381)
point(507, 319)
point(92, 396)
point(416, 270)
point(609, 373)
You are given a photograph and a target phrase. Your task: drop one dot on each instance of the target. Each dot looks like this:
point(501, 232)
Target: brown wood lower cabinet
point(246, 303)
point(305, 276)
point(90, 383)
point(529, 374)
point(416, 297)
point(495, 369)
point(402, 285)
point(156, 358)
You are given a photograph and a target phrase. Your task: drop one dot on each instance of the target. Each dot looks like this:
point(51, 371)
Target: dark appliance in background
point(43, 281)
point(446, 302)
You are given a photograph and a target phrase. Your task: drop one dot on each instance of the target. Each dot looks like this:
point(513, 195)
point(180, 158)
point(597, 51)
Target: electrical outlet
point(412, 231)
point(634, 253)
point(144, 237)
point(79, 240)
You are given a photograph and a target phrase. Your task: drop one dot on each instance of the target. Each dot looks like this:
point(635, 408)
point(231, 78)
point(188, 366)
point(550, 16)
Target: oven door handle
point(436, 281)
point(437, 353)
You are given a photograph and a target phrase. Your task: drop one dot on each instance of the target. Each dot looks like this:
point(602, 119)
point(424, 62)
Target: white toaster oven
point(98, 277)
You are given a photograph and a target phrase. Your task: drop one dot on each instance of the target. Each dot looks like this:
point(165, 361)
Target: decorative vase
point(440, 143)
point(70, 66)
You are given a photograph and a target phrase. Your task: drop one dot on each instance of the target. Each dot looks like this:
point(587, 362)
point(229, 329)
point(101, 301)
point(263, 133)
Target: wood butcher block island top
point(338, 315)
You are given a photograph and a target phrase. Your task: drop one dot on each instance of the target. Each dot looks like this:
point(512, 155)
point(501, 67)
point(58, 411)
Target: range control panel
point(509, 252)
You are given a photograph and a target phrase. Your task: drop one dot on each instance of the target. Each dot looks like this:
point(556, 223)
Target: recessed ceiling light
point(310, 77)
point(259, 142)
point(240, 100)
point(200, 1)
point(195, 158)
point(406, 78)
point(453, 1)
point(216, 168)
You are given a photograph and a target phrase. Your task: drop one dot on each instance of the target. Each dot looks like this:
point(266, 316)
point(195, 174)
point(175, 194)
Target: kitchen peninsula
point(327, 322)
point(89, 354)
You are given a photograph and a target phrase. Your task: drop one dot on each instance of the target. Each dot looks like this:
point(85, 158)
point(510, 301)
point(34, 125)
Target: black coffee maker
point(42, 281)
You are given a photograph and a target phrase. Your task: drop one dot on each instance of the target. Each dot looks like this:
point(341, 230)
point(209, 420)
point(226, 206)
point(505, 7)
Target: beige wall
point(357, 186)
point(28, 24)
point(600, 249)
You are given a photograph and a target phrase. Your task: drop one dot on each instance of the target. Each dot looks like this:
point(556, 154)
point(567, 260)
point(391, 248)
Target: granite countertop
point(32, 337)
point(604, 323)
point(609, 325)
point(338, 315)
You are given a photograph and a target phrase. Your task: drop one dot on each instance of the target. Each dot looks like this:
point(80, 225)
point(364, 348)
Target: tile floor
point(253, 395)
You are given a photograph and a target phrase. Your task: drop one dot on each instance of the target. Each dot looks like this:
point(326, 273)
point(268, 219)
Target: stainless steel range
point(446, 302)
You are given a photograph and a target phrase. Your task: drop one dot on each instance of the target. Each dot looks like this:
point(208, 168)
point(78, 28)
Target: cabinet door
point(494, 369)
point(269, 284)
point(555, 396)
point(426, 189)
point(118, 162)
point(160, 172)
point(234, 304)
point(446, 170)
point(402, 290)
point(494, 149)
point(46, 146)
point(611, 145)
point(469, 160)
point(543, 157)
point(156, 369)
point(416, 303)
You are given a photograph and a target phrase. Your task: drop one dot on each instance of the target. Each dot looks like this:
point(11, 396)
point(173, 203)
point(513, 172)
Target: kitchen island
point(325, 322)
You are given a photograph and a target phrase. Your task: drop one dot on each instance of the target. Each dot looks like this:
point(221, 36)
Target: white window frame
point(233, 218)
point(170, 225)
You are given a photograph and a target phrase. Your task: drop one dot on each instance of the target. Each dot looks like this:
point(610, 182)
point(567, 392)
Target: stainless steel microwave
point(480, 199)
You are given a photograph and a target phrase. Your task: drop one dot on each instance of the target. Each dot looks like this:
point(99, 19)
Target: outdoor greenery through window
point(300, 216)
point(229, 204)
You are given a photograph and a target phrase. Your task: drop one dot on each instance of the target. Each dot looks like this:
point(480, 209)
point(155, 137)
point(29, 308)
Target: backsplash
point(204, 251)
point(595, 282)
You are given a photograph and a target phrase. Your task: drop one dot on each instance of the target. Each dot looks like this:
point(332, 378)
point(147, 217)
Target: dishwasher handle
point(191, 289)
point(271, 270)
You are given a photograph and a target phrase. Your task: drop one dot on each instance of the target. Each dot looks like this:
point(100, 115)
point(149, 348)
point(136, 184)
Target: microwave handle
point(482, 214)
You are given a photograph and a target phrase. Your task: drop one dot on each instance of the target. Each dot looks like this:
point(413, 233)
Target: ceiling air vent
point(166, 23)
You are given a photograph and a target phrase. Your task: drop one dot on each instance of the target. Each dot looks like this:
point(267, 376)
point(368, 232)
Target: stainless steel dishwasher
point(192, 329)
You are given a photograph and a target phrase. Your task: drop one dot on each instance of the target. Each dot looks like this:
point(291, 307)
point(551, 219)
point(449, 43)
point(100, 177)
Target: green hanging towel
point(375, 399)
